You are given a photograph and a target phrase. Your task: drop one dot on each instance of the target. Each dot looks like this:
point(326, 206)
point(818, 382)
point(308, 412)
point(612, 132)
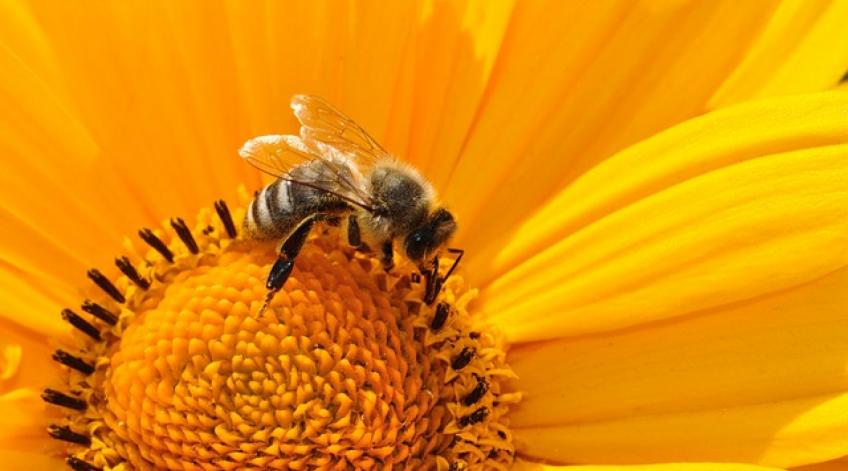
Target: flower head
point(651, 197)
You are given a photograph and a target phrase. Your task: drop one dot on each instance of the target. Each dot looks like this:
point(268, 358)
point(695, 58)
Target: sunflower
point(651, 197)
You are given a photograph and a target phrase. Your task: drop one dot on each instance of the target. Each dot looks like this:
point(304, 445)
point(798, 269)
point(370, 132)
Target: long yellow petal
point(443, 80)
point(782, 434)
point(750, 382)
point(112, 132)
point(25, 421)
point(24, 359)
point(557, 104)
point(715, 211)
point(33, 303)
point(24, 461)
point(834, 465)
point(523, 465)
point(804, 48)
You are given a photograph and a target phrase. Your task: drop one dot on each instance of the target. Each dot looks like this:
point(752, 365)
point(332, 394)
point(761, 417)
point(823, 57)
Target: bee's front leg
point(354, 235)
point(432, 282)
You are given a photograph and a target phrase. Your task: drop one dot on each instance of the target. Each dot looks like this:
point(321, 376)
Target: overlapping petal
point(698, 276)
point(30, 461)
point(761, 381)
point(25, 421)
point(801, 50)
point(24, 358)
point(728, 207)
point(140, 117)
point(522, 465)
point(804, 430)
point(834, 465)
point(557, 104)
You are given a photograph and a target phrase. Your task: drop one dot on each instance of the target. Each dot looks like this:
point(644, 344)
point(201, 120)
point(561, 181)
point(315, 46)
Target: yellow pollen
point(346, 369)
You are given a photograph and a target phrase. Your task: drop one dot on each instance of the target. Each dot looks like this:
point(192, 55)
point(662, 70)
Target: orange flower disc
point(344, 370)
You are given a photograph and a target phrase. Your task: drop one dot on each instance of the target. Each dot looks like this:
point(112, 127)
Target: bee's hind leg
point(284, 265)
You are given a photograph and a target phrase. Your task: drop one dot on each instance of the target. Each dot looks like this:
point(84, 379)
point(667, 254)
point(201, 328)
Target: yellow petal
point(751, 382)
point(834, 465)
point(557, 104)
point(443, 77)
point(32, 303)
point(27, 357)
point(25, 421)
point(522, 465)
point(113, 133)
point(715, 211)
point(804, 48)
point(786, 433)
point(10, 361)
point(19, 461)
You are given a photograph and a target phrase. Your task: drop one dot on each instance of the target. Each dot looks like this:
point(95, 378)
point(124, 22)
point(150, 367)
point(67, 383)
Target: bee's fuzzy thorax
point(404, 199)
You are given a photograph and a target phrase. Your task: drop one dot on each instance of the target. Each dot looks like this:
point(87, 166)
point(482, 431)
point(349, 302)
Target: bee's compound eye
point(417, 244)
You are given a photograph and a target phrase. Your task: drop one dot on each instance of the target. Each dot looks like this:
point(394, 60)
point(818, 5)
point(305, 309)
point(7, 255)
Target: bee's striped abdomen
point(281, 206)
point(272, 214)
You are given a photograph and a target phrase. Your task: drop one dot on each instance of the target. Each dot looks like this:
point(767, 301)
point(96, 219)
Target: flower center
point(347, 368)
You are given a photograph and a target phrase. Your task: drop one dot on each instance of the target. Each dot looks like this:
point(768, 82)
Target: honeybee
point(334, 170)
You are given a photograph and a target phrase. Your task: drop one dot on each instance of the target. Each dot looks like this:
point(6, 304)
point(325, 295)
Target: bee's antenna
point(460, 253)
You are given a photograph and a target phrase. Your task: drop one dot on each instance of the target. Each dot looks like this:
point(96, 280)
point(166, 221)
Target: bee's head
point(433, 233)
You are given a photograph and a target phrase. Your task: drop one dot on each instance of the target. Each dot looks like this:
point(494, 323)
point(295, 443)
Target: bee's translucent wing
point(323, 125)
point(277, 155)
point(274, 155)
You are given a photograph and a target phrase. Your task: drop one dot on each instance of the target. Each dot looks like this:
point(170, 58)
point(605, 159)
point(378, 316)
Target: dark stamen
point(442, 311)
point(65, 433)
point(75, 320)
point(99, 312)
point(477, 393)
point(185, 234)
point(106, 285)
point(226, 218)
point(208, 230)
point(128, 269)
point(150, 238)
point(475, 417)
point(463, 359)
point(61, 399)
point(71, 361)
point(80, 465)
